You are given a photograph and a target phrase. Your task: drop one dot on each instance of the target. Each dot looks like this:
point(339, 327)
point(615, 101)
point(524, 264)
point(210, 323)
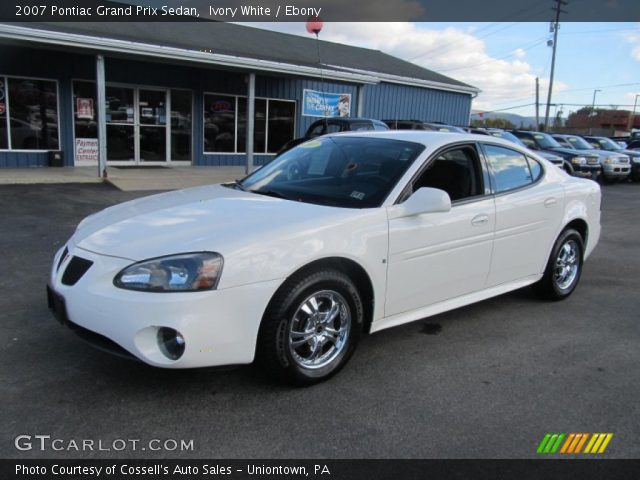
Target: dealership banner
point(321, 104)
point(292, 469)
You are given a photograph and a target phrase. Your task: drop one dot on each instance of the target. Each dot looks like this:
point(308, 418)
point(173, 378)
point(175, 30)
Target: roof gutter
point(174, 53)
point(415, 82)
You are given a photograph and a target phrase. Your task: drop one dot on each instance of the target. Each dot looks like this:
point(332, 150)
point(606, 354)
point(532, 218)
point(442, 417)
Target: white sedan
point(343, 235)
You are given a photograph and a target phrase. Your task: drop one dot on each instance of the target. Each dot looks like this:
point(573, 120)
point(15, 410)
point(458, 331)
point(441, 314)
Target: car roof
point(431, 139)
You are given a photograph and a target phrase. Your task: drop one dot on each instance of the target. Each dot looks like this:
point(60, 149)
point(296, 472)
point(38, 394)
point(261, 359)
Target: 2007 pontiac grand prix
point(343, 235)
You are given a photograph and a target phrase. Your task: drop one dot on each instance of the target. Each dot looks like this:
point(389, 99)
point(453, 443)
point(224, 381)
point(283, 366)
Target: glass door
point(137, 130)
point(121, 125)
point(152, 128)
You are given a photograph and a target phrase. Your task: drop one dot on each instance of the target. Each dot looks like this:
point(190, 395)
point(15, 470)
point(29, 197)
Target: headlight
point(578, 160)
point(635, 159)
point(610, 160)
point(186, 272)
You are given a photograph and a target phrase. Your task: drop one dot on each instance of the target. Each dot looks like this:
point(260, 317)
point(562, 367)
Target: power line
point(445, 48)
point(525, 48)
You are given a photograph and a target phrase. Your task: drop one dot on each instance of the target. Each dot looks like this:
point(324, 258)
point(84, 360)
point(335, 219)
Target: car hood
point(548, 155)
point(630, 153)
point(211, 218)
point(573, 152)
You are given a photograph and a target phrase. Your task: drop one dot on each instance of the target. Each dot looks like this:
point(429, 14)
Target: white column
point(102, 117)
point(251, 100)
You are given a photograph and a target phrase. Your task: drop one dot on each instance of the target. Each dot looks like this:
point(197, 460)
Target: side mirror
point(424, 200)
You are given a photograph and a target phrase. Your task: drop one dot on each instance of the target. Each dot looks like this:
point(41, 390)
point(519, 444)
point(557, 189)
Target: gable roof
point(220, 40)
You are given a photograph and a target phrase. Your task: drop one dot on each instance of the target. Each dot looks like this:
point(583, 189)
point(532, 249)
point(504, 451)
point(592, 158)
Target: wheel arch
point(349, 267)
point(581, 226)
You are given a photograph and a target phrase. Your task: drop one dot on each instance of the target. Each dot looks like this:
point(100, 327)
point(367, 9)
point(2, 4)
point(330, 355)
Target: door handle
point(550, 202)
point(480, 220)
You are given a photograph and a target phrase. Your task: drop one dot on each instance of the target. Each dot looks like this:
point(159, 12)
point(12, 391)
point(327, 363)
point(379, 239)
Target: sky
point(503, 59)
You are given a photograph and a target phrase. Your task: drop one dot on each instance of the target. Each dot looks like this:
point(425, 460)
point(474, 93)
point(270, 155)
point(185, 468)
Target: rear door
point(528, 213)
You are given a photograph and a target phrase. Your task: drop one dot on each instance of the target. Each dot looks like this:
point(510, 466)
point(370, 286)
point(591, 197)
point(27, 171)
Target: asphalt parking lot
point(484, 381)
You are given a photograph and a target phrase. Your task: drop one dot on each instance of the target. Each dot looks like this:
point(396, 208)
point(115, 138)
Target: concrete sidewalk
point(126, 179)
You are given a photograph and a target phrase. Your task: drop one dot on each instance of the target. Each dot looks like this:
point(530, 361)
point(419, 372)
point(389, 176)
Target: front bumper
point(220, 327)
point(617, 170)
point(587, 170)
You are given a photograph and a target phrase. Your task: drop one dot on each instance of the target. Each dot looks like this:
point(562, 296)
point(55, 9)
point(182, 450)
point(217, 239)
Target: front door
point(136, 125)
point(439, 256)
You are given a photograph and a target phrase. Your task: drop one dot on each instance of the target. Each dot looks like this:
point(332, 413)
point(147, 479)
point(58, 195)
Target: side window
point(536, 169)
point(456, 171)
point(528, 142)
point(510, 168)
point(317, 130)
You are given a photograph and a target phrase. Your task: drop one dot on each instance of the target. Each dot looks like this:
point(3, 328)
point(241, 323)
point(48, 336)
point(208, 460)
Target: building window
point(4, 127)
point(28, 114)
point(84, 110)
point(181, 124)
point(219, 123)
point(225, 124)
point(281, 124)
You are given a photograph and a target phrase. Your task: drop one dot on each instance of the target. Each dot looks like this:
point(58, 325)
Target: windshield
point(348, 172)
point(510, 137)
point(607, 144)
point(579, 143)
point(545, 141)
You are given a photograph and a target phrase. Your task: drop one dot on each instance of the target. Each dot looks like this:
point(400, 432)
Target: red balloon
point(314, 24)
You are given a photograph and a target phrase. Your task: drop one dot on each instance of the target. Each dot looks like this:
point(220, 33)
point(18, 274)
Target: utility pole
point(555, 26)
point(633, 114)
point(592, 113)
point(537, 104)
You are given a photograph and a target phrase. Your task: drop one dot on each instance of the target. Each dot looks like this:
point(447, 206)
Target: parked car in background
point(608, 145)
point(575, 163)
point(615, 166)
point(335, 125)
point(338, 237)
point(405, 124)
point(557, 160)
point(443, 127)
point(420, 125)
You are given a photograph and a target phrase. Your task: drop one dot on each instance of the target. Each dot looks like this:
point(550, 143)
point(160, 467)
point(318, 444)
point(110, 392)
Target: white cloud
point(634, 39)
point(452, 51)
point(519, 53)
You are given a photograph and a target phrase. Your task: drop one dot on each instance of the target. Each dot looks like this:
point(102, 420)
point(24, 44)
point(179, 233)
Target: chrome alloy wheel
point(320, 329)
point(567, 264)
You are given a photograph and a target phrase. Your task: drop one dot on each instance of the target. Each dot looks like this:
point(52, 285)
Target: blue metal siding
point(381, 101)
point(390, 101)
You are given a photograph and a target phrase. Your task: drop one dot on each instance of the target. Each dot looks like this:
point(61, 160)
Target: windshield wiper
point(236, 184)
point(270, 193)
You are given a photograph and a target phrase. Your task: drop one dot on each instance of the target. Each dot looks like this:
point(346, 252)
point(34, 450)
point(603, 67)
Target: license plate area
point(57, 306)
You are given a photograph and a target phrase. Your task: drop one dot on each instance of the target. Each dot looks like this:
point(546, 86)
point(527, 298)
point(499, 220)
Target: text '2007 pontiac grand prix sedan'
point(342, 235)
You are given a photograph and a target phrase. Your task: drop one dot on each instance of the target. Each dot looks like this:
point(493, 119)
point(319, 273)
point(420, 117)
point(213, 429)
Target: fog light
point(171, 343)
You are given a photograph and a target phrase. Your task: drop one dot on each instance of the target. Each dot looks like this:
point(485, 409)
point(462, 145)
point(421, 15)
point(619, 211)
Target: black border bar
point(583, 469)
point(329, 10)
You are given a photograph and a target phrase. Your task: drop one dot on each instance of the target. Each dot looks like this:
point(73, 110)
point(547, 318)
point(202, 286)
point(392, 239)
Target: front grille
point(76, 268)
point(592, 160)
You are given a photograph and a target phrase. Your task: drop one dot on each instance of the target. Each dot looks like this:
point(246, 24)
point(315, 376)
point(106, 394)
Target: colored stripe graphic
point(572, 443)
point(550, 443)
point(598, 443)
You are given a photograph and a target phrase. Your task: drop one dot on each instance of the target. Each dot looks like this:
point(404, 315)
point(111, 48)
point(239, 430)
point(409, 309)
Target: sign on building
point(320, 104)
point(87, 150)
point(84, 108)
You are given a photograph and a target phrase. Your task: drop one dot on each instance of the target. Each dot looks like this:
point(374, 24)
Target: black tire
point(551, 286)
point(568, 168)
point(275, 352)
